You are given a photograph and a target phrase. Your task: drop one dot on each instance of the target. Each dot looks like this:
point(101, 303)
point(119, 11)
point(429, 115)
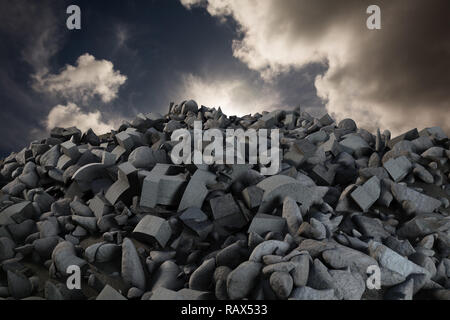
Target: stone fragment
point(252, 196)
point(162, 186)
point(19, 285)
point(196, 220)
point(263, 223)
point(16, 213)
point(227, 213)
point(398, 168)
point(196, 190)
point(423, 203)
point(132, 271)
point(291, 213)
point(307, 293)
point(241, 280)
point(344, 257)
point(366, 195)
point(201, 278)
point(110, 294)
point(268, 247)
point(282, 284)
point(152, 228)
point(391, 260)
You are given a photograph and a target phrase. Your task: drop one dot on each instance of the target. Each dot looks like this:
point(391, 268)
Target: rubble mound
point(350, 215)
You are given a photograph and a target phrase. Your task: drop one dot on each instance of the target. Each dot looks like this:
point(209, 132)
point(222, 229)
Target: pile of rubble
point(345, 207)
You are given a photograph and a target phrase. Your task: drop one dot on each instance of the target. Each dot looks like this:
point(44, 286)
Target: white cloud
point(87, 79)
point(395, 78)
point(72, 116)
point(234, 96)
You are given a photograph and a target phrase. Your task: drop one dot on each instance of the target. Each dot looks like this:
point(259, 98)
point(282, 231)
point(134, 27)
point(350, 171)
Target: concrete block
point(226, 212)
point(366, 195)
point(196, 190)
point(196, 220)
point(110, 294)
point(410, 135)
point(16, 213)
point(152, 228)
point(398, 168)
point(162, 186)
point(70, 149)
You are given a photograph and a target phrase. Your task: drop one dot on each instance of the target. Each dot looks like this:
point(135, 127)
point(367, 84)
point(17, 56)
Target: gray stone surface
point(153, 228)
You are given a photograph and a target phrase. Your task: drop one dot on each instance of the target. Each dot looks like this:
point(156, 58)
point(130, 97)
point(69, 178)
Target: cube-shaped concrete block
point(263, 223)
point(398, 168)
point(152, 228)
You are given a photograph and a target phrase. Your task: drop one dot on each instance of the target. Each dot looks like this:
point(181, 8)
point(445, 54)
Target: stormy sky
point(242, 55)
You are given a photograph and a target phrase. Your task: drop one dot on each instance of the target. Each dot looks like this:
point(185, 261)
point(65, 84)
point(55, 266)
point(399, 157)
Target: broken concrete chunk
point(153, 228)
point(132, 270)
point(263, 223)
point(197, 221)
point(161, 186)
point(291, 213)
point(252, 196)
point(196, 190)
point(366, 195)
point(307, 293)
point(226, 212)
point(277, 187)
point(391, 260)
point(110, 294)
point(422, 202)
point(398, 168)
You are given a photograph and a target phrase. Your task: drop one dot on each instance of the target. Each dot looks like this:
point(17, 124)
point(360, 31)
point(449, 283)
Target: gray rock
point(307, 293)
point(166, 276)
point(227, 213)
point(344, 257)
point(241, 280)
point(132, 271)
point(196, 190)
point(391, 260)
point(398, 168)
point(201, 278)
point(19, 285)
point(350, 285)
point(152, 228)
point(268, 247)
point(366, 195)
point(282, 284)
point(160, 186)
point(300, 273)
point(110, 294)
point(403, 291)
point(263, 223)
point(424, 204)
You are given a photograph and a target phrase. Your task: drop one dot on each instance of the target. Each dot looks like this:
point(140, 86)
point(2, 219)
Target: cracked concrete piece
point(153, 228)
point(422, 202)
point(159, 187)
point(226, 212)
point(263, 223)
point(16, 213)
point(276, 188)
point(398, 168)
point(367, 194)
point(391, 260)
point(110, 294)
point(196, 190)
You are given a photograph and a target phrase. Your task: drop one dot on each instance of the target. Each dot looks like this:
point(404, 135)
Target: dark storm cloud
point(396, 77)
